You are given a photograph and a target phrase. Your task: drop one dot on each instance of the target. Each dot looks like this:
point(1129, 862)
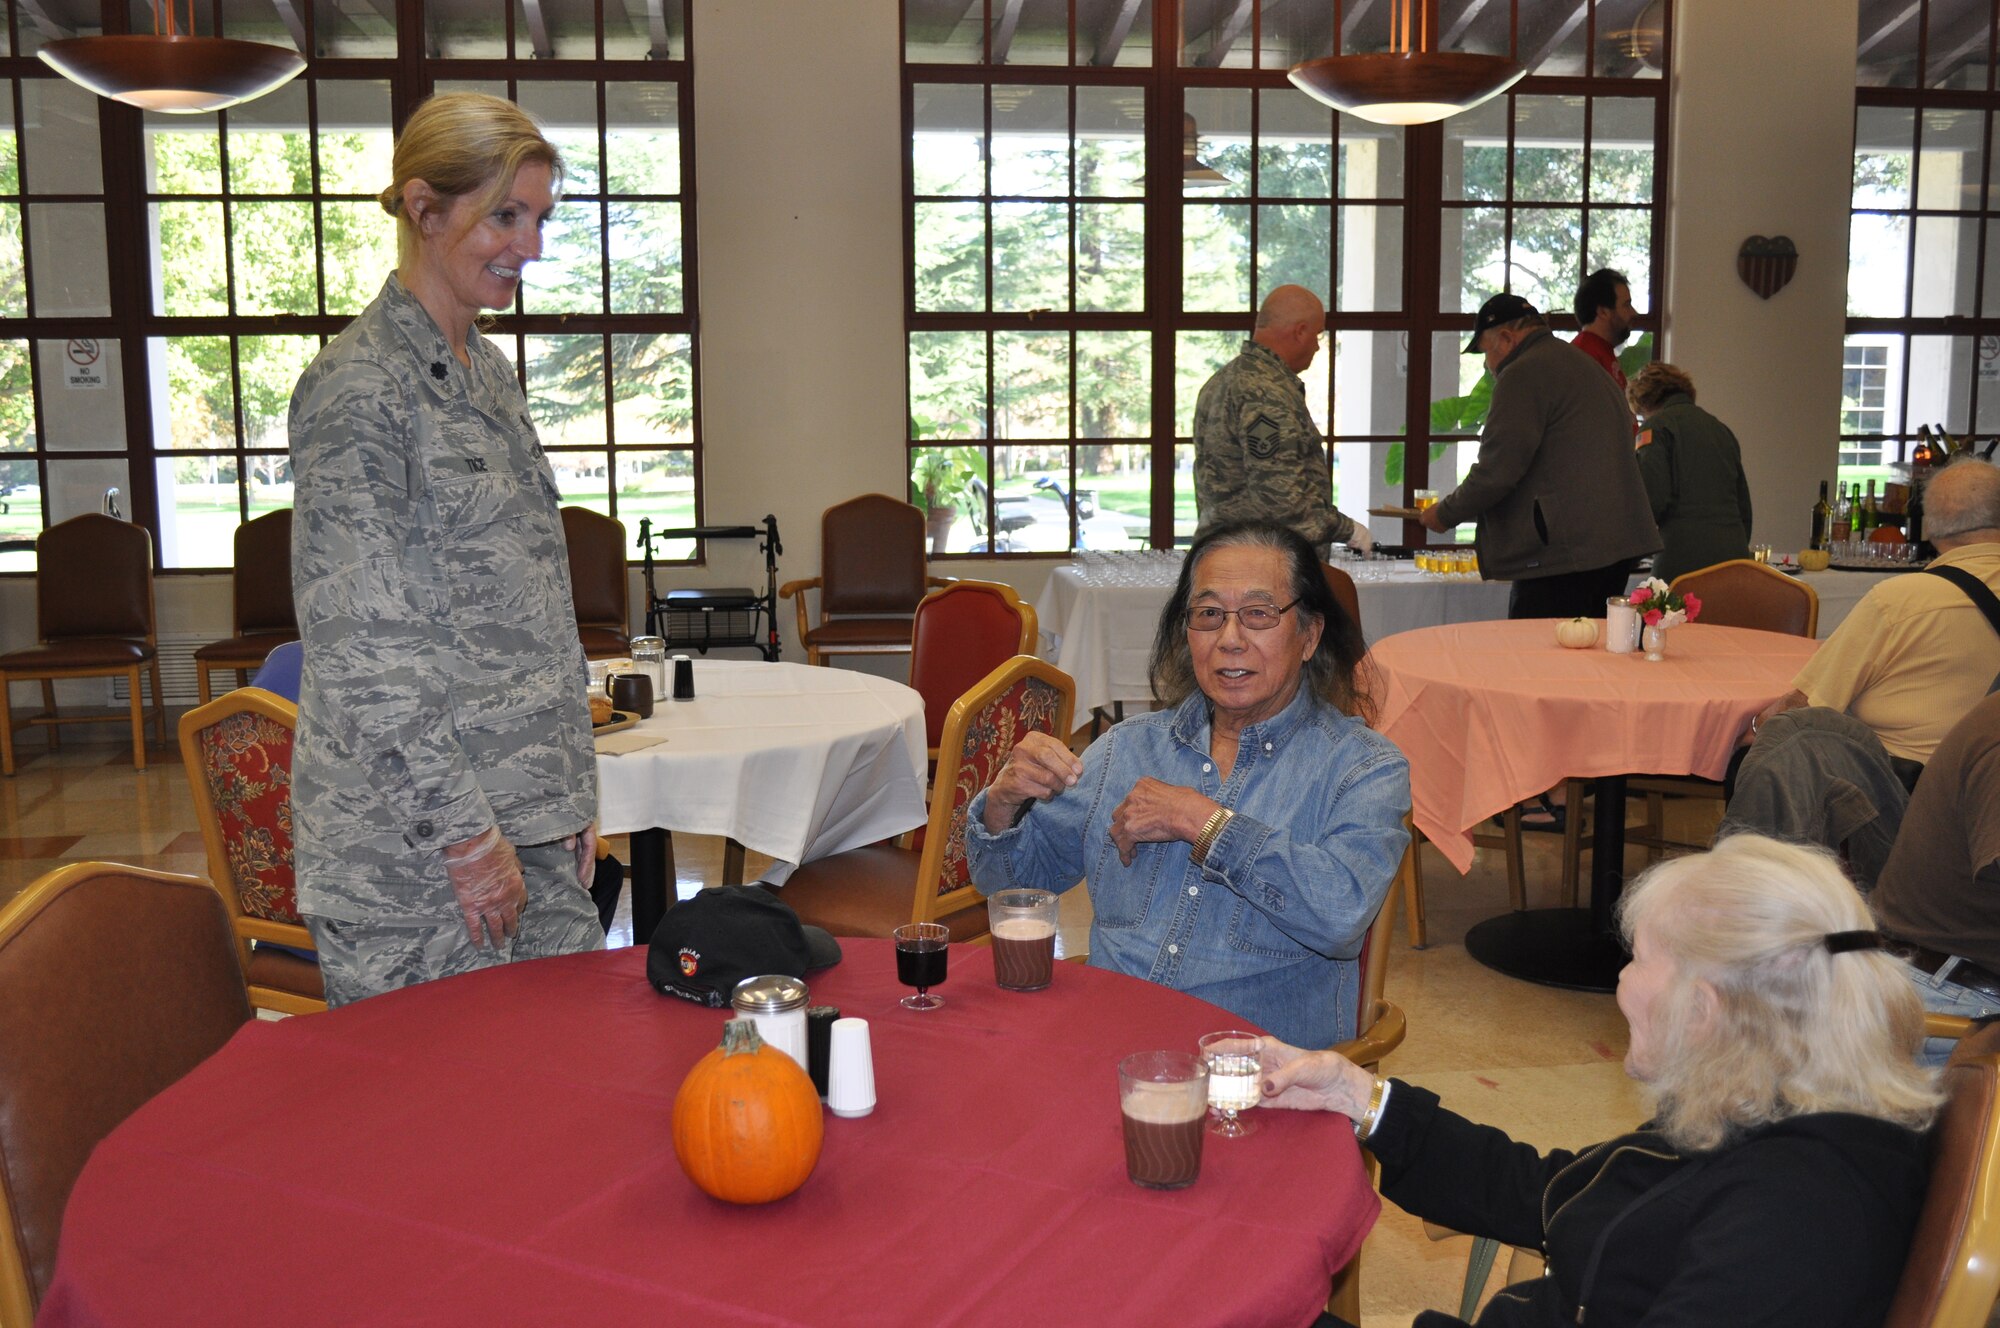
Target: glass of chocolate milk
point(1163, 1096)
point(1024, 938)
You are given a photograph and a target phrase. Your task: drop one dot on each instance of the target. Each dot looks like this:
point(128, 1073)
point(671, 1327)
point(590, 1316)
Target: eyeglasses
point(1254, 617)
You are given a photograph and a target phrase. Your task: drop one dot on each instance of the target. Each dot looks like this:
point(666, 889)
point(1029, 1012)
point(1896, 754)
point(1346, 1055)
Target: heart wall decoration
point(1767, 263)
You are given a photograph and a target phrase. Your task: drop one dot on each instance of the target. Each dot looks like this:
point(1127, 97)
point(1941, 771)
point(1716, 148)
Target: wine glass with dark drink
point(921, 951)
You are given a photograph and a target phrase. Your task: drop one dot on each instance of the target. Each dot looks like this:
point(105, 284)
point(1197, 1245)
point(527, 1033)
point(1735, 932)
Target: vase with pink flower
point(1660, 608)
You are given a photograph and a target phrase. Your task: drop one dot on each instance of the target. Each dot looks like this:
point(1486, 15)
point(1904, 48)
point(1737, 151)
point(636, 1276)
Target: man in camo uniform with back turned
point(1257, 454)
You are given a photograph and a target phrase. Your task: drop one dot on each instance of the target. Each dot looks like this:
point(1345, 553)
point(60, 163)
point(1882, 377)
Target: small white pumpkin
point(1577, 633)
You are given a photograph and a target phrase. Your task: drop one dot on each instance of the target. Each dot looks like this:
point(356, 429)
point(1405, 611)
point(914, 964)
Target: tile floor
point(1542, 1063)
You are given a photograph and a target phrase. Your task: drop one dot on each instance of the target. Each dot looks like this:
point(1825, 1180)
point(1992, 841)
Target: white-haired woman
point(1782, 1173)
point(444, 783)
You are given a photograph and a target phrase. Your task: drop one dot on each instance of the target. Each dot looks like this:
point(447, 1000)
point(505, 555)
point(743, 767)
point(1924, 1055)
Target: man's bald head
point(1962, 505)
point(1289, 325)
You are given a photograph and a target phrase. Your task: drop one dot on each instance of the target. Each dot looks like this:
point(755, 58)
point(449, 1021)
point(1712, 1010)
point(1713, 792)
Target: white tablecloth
point(1839, 592)
point(1097, 623)
point(794, 762)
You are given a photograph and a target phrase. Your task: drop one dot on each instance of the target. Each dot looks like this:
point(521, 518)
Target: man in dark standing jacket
point(1556, 492)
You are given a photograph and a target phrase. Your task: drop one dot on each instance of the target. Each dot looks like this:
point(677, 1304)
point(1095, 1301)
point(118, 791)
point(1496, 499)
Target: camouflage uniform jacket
point(443, 690)
point(1257, 453)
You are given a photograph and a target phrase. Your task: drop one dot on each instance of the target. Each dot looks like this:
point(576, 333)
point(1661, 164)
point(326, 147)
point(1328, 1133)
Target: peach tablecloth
point(1490, 713)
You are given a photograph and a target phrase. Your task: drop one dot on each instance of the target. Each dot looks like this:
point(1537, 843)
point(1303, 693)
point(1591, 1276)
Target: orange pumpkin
point(747, 1122)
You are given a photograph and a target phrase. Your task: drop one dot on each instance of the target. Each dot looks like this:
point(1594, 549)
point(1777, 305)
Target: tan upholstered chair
point(1952, 1276)
point(1746, 593)
point(962, 633)
point(871, 557)
point(870, 891)
point(94, 619)
point(114, 982)
point(1738, 593)
point(238, 753)
point(598, 582)
point(261, 597)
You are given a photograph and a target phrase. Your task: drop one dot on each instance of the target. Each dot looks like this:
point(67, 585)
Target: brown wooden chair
point(238, 753)
point(1382, 1028)
point(598, 582)
point(262, 617)
point(114, 982)
point(872, 890)
point(93, 619)
point(1344, 593)
point(871, 555)
point(1951, 1278)
point(962, 633)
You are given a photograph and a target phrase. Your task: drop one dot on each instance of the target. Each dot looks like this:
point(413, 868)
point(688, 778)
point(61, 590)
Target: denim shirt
point(1268, 927)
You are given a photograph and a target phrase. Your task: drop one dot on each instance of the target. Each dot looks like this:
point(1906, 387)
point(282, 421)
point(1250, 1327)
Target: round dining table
point(495, 1148)
point(1490, 713)
point(794, 762)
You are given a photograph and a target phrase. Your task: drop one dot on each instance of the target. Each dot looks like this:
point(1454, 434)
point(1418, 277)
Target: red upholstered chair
point(871, 556)
point(962, 633)
point(94, 619)
point(261, 593)
point(598, 582)
point(114, 982)
point(872, 890)
point(238, 753)
point(1952, 1275)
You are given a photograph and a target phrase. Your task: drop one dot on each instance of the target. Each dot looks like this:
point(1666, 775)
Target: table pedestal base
point(1557, 947)
point(652, 878)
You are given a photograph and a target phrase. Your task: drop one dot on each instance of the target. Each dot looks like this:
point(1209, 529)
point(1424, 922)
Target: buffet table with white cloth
point(794, 762)
point(1098, 617)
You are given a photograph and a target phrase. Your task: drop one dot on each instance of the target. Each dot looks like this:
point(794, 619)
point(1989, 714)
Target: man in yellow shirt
point(1917, 654)
point(1833, 761)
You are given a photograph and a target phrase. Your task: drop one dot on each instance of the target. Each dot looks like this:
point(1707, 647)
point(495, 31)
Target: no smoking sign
point(85, 368)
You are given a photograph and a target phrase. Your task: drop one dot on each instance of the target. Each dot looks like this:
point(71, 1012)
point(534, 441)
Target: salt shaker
point(776, 1003)
point(1621, 625)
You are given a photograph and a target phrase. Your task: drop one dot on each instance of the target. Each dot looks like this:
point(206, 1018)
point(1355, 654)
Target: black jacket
point(1805, 1222)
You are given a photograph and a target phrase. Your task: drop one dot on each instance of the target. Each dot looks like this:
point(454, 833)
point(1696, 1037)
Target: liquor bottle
point(1822, 519)
point(1913, 516)
point(1923, 456)
point(1869, 517)
point(1843, 513)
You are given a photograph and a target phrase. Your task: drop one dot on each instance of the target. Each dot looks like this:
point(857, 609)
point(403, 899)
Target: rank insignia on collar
point(438, 371)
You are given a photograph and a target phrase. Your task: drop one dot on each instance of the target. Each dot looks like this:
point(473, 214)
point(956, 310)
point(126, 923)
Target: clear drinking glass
point(1235, 1079)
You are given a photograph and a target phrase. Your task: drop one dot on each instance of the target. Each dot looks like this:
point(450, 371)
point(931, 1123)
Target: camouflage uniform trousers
point(359, 959)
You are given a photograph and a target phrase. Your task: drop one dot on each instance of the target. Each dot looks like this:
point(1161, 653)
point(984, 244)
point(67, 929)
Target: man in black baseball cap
point(1499, 310)
point(1561, 509)
point(707, 944)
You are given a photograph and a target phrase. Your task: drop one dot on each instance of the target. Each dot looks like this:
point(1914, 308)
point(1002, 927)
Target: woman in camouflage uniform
point(444, 783)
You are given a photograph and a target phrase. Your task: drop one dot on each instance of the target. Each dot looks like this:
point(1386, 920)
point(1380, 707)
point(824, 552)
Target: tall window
point(1102, 192)
point(257, 235)
point(1923, 275)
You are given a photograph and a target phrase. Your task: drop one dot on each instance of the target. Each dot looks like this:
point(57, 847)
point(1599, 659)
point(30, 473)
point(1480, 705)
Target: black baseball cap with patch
point(1496, 311)
point(705, 945)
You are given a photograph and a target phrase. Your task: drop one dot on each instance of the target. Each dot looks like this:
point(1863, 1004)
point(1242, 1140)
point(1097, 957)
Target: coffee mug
point(633, 693)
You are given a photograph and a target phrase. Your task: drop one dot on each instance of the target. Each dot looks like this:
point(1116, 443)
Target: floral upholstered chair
point(238, 753)
point(870, 891)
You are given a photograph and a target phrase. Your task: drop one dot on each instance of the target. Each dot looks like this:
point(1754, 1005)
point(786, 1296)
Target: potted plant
point(938, 476)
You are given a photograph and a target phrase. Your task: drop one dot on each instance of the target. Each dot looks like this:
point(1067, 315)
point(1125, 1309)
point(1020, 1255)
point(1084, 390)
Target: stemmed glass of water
point(1235, 1080)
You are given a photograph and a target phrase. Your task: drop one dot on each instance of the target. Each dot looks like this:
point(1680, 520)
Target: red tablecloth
point(1490, 713)
point(495, 1149)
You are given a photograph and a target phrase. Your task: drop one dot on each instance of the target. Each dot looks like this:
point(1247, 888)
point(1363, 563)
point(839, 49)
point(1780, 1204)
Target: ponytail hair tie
point(1839, 942)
